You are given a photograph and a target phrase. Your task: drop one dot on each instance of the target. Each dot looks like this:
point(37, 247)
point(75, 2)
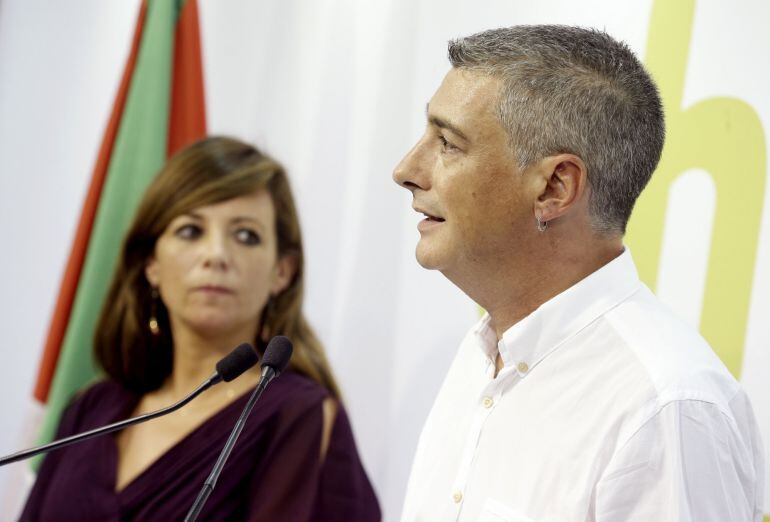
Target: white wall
point(60, 65)
point(336, 90)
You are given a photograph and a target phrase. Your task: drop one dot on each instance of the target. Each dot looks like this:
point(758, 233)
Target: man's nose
point(412, 171)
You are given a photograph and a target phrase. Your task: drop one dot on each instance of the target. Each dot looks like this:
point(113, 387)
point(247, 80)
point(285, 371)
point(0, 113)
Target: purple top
point(274, 472)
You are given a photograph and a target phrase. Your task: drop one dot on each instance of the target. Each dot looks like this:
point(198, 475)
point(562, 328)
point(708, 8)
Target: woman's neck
point(195, 358)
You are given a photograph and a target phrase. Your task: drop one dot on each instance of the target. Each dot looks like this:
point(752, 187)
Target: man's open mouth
point(433, 218)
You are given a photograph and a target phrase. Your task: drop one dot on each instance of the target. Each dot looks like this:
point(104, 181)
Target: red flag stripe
point(187, 121)
point(69, 284)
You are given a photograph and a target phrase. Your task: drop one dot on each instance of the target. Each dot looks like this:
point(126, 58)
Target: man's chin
point(427, 258)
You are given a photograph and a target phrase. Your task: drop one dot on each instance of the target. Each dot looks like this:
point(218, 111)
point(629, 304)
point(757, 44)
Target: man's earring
point(541, 225)
point(153, 322)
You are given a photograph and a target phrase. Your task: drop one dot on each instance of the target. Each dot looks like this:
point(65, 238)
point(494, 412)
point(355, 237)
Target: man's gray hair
point(579, 91)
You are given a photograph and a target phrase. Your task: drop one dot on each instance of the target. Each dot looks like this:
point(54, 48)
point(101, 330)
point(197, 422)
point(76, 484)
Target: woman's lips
point(214, 289)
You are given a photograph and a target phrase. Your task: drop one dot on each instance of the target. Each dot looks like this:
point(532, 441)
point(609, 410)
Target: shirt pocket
point(494, 511)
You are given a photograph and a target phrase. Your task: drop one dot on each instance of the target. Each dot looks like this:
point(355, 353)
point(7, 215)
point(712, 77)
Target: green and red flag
point(158, 109)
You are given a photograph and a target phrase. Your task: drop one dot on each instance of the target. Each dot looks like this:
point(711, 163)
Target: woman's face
point(216, 267)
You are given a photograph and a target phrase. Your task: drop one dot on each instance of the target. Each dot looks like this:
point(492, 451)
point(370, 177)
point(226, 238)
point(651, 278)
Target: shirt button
point(457, 497)
point(488, 402)
point(523, 367)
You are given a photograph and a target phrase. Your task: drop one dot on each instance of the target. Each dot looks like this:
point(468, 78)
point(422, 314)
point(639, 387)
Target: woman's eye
point(247, 236)
point(188, 231)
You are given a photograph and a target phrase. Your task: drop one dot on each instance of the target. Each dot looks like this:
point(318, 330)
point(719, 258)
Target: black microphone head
point(278, 353)
point(243, 357)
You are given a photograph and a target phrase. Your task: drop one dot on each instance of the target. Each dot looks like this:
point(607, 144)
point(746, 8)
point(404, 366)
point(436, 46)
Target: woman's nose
point(215, 251)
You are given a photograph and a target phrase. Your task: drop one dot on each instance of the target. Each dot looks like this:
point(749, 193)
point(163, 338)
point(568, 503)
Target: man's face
point(463, 176)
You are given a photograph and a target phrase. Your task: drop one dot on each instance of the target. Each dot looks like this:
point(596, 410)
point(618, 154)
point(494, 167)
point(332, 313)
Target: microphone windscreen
point(237, 362)
point(277, 353)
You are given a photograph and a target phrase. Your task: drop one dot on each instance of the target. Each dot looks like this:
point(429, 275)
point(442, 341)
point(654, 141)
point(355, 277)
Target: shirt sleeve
point(285, 483)
point(345, 492)
point(293, 485)
point(690, 462)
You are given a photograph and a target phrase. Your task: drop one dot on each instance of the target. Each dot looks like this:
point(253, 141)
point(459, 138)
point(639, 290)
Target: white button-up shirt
point(607, 408)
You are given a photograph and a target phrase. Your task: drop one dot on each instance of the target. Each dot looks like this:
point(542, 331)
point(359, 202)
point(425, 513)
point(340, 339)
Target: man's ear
point(566, 180)
point(283, 273)
point(152, 272)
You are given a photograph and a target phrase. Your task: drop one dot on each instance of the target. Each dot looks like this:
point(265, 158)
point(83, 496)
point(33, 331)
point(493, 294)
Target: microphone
point(228, 368)
point(277, 355)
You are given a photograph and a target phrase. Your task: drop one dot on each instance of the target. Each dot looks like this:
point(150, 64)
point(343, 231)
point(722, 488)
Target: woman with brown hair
point(213, 259)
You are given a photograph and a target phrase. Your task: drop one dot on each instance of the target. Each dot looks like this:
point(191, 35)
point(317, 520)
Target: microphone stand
point(25, 454)
point(268, 373)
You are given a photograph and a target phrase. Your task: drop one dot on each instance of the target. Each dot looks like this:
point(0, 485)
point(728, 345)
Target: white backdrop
point(335, 90)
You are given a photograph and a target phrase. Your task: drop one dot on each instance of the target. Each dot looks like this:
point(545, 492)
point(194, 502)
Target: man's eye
point(188, 231)
point(446, 146)
point(247, 236)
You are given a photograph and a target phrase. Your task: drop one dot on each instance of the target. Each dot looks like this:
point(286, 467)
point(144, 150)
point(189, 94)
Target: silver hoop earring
point(541, 225)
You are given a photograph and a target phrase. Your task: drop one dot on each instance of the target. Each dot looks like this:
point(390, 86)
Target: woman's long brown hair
point(210, 171)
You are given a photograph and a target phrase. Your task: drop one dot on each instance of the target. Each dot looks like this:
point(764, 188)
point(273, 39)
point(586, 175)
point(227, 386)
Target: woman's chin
point(215, 327)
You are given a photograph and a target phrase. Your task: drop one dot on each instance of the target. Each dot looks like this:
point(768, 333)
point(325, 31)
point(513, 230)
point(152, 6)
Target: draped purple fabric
point(273, 474)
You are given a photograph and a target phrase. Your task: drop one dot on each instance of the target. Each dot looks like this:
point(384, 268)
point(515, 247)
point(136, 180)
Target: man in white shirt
point(579, 396)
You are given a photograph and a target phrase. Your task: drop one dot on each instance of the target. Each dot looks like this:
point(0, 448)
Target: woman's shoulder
point(306, 399)
point(299, 386)
point(294, 391)
point(295, 401)
point(100, 403)
point(103, 391)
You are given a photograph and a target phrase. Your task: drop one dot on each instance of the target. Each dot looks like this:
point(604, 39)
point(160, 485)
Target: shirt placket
point(486, 402)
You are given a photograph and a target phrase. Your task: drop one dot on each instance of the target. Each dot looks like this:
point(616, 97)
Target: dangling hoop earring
point(542, 226)
point(153, 322)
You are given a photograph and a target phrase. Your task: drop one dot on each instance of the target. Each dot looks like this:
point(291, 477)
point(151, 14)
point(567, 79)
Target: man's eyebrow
point(443, 124)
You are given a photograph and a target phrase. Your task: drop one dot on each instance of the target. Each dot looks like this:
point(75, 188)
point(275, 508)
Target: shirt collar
point(529, 341)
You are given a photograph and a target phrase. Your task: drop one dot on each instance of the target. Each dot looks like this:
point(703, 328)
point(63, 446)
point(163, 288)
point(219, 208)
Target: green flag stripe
point(138, 154)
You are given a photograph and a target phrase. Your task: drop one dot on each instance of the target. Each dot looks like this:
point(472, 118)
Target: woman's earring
point(153, 322)
point(541, 225)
